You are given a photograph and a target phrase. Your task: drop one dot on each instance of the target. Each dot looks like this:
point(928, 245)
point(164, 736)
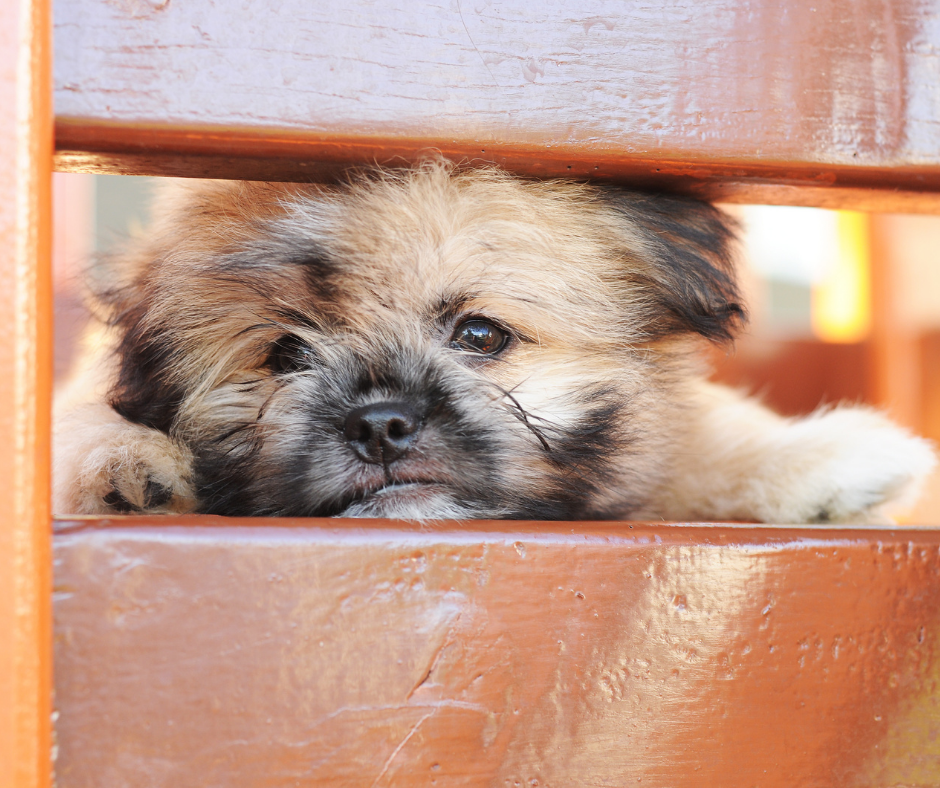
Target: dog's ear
point(686, 265)
point(144, 391)
point(123, 293)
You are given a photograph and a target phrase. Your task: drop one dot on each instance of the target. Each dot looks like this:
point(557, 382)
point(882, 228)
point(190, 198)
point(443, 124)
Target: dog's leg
point(103, 464)
point(740, 461)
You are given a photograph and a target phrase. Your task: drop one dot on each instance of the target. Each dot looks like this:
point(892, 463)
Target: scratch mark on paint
point(437, 657)
point(482, 59)
point(402, 743)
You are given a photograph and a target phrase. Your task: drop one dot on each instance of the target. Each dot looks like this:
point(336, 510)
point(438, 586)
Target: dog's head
point(419, 343)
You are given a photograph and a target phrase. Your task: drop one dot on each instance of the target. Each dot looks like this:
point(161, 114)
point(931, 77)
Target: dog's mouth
point(394, 494)
point(416, 491)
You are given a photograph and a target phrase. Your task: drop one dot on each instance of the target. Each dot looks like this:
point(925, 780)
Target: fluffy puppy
point(437, 343)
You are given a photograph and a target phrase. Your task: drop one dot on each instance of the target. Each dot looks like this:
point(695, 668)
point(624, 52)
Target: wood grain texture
point(25, 387)
point(336, 653)
point(832, 94)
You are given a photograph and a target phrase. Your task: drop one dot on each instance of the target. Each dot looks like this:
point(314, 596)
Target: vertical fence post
point(25, 384)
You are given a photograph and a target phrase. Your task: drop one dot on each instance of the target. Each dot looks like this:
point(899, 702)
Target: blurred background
point(844, 306)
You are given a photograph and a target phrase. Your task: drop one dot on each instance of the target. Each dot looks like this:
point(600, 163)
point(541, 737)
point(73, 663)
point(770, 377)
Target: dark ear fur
point(143, 393)
point(689, 251)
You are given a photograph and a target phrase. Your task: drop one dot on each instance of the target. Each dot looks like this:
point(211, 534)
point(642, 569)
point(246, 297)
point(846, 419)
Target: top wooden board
point(798, 102)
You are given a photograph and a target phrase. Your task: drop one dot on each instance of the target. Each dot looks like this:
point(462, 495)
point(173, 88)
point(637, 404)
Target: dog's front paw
point(106, 465)
point(744, 462)
point(845, 465)
point(154, 479)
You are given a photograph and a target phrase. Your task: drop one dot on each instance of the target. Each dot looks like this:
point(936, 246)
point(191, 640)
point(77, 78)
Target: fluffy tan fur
point(255, 318)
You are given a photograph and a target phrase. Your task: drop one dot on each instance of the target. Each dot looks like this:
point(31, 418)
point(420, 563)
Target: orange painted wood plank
point(25, 386)
point(796, 102)
point(272, 154)
point(211, 651)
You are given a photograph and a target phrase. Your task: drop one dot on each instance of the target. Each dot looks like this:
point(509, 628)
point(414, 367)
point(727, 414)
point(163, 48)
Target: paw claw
point(114, 500)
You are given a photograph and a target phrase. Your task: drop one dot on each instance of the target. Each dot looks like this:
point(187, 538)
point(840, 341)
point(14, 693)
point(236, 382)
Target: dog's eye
point(478, 336)
point(290, 354)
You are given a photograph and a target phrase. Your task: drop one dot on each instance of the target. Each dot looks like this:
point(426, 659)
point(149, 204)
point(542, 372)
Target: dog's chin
point(412, 501)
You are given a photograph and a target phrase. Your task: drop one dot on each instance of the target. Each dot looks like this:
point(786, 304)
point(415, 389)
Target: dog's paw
point(741, 461)
point(152, 478)
point(106, 465)
point(843, 465)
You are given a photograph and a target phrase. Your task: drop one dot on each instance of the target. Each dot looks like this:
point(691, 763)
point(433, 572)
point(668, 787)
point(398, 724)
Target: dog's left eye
point(290, 354)
point(479, 336)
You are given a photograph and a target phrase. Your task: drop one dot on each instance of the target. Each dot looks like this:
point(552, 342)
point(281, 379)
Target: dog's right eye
point(479, 336)
point(290, 354)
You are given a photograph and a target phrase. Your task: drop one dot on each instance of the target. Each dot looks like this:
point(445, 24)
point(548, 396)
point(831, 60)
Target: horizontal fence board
point(829, 98)
point(205, 651)
point(269, 155)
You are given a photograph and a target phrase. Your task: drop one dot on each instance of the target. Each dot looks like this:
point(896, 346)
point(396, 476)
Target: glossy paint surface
point(220, 652)
point(25, 386)
point(837, 94)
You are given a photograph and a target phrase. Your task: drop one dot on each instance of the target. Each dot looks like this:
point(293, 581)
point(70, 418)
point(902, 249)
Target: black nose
point(382, 432)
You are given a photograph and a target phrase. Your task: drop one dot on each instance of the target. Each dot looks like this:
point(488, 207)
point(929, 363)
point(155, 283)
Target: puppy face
point(422, 343)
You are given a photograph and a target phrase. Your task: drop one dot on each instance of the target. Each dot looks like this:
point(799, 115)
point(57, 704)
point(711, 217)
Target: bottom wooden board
point(345, 653)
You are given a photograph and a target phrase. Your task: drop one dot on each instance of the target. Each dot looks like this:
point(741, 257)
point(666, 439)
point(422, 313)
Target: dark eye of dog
point(290, 354)
point(479, 336)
